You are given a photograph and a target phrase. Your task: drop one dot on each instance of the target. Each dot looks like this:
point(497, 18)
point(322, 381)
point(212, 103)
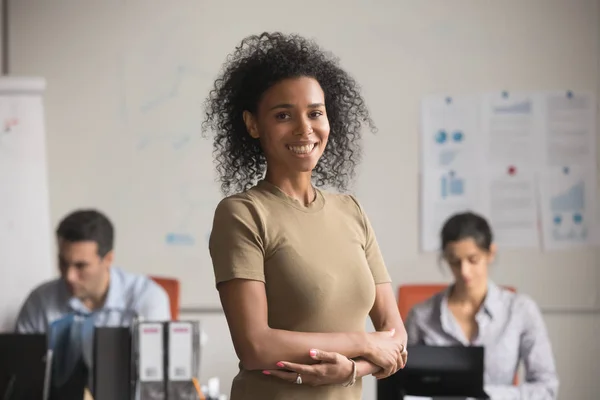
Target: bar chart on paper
point(451, 185)
point(568, 211)
point(448, 191)
point(568, 208)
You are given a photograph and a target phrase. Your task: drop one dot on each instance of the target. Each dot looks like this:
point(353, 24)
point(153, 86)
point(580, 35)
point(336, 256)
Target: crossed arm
point(260, 347)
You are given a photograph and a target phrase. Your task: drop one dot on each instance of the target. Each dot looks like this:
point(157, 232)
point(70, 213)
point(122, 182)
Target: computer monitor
point(24, 367)
point(436, 371)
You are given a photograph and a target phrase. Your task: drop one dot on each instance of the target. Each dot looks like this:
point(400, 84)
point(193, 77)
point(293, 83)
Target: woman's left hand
point(332, 369)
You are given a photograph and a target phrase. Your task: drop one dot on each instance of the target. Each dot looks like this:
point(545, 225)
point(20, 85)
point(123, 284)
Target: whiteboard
point(126, 82)
point(25, 233)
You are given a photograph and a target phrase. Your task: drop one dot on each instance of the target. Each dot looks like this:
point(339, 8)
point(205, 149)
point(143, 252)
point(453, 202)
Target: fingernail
point(280, 364)
point(313, 353)
point(392, 331)
point(266, 373)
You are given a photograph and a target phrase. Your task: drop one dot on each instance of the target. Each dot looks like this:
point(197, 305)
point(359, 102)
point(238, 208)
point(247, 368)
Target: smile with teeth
point(304, 149)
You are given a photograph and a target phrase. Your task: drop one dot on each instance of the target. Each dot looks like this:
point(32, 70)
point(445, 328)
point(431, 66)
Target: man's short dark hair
point(88, 225)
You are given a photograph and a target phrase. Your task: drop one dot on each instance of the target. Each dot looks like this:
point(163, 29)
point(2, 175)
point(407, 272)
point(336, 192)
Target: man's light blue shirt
point(129, 295)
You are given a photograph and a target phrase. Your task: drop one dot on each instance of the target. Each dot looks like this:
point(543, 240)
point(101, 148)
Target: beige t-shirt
point(320, 264)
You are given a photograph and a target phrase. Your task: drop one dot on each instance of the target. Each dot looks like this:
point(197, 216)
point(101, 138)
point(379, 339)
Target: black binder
point(112, 364)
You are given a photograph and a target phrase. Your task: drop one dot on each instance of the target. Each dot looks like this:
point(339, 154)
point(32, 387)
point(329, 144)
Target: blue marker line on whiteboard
point(179, 239)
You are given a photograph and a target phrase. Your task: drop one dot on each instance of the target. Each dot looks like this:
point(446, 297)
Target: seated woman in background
point(475, 311)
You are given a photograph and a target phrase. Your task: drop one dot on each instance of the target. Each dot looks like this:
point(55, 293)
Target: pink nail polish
point(280, 364)
point(313, 353)
point(266, 373)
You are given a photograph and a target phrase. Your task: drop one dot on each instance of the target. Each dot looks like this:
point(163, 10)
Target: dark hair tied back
point(467, 225)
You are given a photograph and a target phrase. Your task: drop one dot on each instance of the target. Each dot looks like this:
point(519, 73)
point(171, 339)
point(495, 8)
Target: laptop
point(24, 366)
point(437, 371)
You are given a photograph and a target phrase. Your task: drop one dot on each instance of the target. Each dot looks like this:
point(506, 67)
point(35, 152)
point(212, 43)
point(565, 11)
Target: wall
point(126, 81)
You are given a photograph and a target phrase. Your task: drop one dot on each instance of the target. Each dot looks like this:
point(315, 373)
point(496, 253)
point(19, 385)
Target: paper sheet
point(444, 193)
point(569, 129)
point(510, 129)
point(449, 132)
point(568, 205)
point(512, 207)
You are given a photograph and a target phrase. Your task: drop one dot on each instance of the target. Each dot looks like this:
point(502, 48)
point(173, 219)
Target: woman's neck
point(299, 187)
point(473, 298)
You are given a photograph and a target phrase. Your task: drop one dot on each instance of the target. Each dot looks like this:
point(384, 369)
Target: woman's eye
point(315, 114)
point(281, 116)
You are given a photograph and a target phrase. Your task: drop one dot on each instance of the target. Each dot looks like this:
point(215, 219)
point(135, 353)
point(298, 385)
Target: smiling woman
point(257, 64)
point(291, 125)
point(298, 269)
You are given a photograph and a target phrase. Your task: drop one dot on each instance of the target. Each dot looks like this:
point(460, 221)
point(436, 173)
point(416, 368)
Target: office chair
point(171, 286)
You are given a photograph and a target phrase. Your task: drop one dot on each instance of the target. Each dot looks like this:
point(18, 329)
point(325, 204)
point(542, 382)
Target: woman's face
point(291, 124)
point(468, 263)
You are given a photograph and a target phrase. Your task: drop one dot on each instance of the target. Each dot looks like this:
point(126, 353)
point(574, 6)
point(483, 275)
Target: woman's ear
point(251, 125)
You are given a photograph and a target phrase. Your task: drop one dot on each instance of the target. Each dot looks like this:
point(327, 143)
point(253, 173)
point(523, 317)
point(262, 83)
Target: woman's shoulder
point(512, 298)
point(520, 303)
point(515, 305)
point(242, 205)
point(345, 201)
point(234, 201)
point(428, 308)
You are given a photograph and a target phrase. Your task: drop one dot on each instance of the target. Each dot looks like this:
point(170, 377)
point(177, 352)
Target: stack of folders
point(165, 360)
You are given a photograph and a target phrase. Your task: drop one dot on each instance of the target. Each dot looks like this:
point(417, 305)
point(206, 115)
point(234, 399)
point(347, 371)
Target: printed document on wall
point(512, 206)
point(569, 129)
point(444, 193)
point(569, 207)
point(511, 129)
point(531, 156)
point(449, 132)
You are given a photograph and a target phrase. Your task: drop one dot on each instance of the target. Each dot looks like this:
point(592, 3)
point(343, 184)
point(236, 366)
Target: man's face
point(84, 271)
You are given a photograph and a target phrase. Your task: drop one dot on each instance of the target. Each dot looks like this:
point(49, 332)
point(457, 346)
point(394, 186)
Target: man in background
point(89, 284)
point(89, 293)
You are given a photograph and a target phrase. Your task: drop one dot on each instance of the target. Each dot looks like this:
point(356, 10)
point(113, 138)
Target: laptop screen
point(437, 371)
point(22, 366)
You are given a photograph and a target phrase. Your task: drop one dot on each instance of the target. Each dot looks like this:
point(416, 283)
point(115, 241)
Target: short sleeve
point(372, 251)
point(236, 244)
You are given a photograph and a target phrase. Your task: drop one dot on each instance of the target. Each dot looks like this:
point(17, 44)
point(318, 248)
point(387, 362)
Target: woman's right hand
point(385, 351)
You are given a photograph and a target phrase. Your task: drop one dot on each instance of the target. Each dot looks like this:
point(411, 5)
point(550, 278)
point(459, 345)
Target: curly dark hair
point(259, 62)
